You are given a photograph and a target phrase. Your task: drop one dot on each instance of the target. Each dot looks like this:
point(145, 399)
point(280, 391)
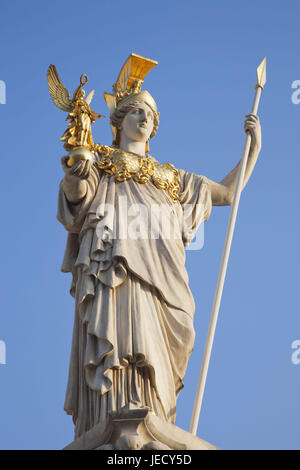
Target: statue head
point(137, 119)
point(131, 110)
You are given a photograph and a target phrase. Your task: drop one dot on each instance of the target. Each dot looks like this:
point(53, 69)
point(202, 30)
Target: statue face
point(137, 125)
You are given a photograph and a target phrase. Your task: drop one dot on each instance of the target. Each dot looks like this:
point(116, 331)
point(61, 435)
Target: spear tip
point(261, 74)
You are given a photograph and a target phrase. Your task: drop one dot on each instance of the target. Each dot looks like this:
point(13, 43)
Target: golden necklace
point(125, 165)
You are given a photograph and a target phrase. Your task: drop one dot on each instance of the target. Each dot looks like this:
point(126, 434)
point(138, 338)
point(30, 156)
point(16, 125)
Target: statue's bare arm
point(223, 192)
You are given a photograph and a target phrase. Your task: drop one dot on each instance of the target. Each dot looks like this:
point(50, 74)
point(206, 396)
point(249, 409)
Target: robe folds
point(133, 327)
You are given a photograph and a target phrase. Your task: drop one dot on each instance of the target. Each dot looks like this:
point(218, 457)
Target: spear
point(261, 80)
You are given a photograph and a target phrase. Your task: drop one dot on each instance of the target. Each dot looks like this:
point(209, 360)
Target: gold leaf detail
point(125, 165)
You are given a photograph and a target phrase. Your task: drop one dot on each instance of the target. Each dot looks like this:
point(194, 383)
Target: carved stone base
point(135, 428)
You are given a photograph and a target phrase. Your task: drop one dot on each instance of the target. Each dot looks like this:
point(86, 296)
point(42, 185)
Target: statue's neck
point(132, 146)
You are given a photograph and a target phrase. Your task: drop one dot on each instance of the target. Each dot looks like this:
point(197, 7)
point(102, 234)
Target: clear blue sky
point(208, 52)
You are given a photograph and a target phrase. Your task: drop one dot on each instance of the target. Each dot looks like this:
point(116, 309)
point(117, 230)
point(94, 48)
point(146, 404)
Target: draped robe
point(133, 327)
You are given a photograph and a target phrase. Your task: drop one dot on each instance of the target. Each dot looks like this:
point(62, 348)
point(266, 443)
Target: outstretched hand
point(80, 169)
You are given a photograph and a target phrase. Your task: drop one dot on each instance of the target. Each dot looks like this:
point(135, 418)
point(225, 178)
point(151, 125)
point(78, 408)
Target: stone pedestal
point(134, 428)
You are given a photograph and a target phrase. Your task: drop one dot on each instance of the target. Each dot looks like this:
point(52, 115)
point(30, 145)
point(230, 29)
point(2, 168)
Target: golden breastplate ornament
point(125, 165)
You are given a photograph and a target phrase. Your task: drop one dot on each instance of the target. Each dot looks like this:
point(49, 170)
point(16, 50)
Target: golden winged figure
point(80, 115)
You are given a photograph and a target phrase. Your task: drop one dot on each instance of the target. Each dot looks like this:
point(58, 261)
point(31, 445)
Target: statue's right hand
point(80, 169)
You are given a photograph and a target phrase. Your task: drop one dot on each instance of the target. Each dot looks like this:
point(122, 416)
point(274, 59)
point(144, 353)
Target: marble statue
point(133, 327)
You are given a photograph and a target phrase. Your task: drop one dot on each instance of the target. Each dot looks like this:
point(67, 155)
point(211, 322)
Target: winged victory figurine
point(79, 131)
